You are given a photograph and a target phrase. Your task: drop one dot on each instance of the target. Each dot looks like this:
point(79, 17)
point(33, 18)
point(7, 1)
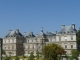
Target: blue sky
point(31, 15)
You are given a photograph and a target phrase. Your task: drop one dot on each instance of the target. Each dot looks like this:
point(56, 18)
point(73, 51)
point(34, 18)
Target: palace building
point(16, 43)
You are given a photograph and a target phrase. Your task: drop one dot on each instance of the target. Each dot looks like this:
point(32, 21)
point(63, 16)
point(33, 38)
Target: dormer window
point(72, 31)
point(61, 32)
point(64, 32)
point(68, 31)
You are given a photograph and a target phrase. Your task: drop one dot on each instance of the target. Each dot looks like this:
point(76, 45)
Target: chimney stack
point(73, 26)
point(17, 31)
point(10, 30)
point(63, 26)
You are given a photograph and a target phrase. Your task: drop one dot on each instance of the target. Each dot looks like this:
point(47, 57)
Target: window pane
point(71, 38)
point(59, 38)
point(71, 46)
point(65, 46)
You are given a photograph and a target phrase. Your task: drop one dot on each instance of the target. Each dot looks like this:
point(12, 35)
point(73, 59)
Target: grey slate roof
point(29, 35)
point(50, 34)
point(68, 29)
point(14, 34)
point(41, 33)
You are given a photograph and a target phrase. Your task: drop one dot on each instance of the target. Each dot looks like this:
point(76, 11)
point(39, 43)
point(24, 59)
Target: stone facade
point(16, 43)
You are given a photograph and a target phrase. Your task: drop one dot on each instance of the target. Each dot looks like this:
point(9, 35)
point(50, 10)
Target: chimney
point(31, 33)
point(10, 30)
point(24, 32)
point(17, 31)
point(73, 26)
point(63, 26)
point(56, 32)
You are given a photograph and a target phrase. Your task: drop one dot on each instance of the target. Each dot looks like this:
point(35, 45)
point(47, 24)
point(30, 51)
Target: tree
point(31, 56)
point(3, 52)
point(10, 53)
point(17, 58)
point(52, 51)
point(22, 53)
point(75, 53)
point(78, 36)
point(37, 55)
point(7, 58)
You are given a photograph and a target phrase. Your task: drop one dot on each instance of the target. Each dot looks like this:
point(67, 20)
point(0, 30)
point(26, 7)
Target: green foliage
point(31, 56)
point(78, 36)
point(16, 58)
point(7, 58)
point(22, 53)
point(37, 55)
point(52, 51)
point(3, 52)
point(75, 53)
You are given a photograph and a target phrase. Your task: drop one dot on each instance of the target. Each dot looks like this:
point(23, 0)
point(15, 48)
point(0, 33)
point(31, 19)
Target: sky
point(32, 15)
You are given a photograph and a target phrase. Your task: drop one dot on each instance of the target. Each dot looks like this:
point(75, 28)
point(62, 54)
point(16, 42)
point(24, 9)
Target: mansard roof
point(29, 35)
point(65, 29)
point(68, 29)
point(14, 33)
point(42, 34)
point(50, 34)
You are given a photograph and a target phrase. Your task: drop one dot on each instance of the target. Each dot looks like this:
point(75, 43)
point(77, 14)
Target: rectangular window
point(12, 47)
point(65, 38)
point(28, 40)
point(33, 47)
point(71, 38)
point(28, 52)
point(38, 46)
point(65, 46)
point(32, 40)
point(28, 47)
point(5, 47)
point(12, 41)
point(5, 41)
point(8, 41)
point(8, 47)
point(59, 38)
point(71, 46)
point(50, 40)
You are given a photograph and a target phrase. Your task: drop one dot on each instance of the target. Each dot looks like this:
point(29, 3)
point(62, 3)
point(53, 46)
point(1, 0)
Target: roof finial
point(42, 29)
